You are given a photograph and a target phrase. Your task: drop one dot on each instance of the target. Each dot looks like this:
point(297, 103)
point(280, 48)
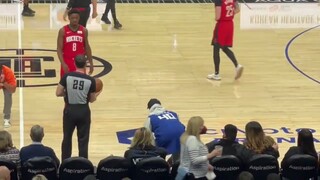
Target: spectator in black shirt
point(84, 7)
point(230, 145)
point(37, 149)
point(142, 146)
point(229, 139)
point(305, 145)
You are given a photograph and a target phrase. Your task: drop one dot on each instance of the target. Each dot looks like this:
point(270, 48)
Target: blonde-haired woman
point(194, 154)
point(142, 146)
point(7, 150)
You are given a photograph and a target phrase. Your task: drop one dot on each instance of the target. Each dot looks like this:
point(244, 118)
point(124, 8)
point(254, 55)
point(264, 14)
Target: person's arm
point(292, 151)
point(94, 9)
point(92, 95)
point(236, 7)
point(194, 150)
point(147, 124)
point(88, 51)
point(54, 157)
point(22, 156)
point(10, 82)
point(69, 7)
point(9, 87)
point(211, 145)
point(60, 50)
point(60, 91)
point(218, 12)
point(217, 4)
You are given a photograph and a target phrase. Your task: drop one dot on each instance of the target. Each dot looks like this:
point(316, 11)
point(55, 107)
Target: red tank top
point(227, 10)
point(73, 42)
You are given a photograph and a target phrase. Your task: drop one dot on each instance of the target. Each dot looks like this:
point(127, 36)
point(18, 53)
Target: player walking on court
point(78, 89)
point(223, 36)
point(111, 6)
point(73, 41)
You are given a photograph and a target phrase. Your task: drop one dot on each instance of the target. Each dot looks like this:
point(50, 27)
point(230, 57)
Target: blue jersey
point(167, 130)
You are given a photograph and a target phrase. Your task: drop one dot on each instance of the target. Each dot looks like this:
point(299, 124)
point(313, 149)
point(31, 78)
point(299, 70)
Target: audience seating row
point(299, 167)
point(77, 168)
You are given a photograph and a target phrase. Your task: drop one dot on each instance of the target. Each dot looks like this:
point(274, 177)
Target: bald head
point(80, 61)
point(4, 173)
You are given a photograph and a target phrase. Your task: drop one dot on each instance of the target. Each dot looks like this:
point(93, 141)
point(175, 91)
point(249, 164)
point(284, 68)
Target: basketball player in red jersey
point(223, 35)
point(73, 41)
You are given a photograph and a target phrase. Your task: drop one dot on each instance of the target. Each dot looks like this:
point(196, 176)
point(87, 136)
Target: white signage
point(272, 16)
point(9, 15)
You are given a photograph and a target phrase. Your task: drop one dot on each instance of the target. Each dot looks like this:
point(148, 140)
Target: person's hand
point(90, 68)
point(65, 67)
point(65, 14)
point(10, 88)
point(210, 167)
point(94, 14)
point(214, 153)
point(97, 93)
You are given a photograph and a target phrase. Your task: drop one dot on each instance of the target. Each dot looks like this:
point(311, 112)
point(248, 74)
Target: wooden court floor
point(164, 51)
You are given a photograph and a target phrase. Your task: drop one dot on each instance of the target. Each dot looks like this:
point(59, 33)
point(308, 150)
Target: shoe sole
point(7, 125)
point(27, 15)
point(239, 73)
point(214, 79)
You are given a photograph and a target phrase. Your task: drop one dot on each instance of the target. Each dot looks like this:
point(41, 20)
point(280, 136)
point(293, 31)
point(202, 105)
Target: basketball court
point(164, 51)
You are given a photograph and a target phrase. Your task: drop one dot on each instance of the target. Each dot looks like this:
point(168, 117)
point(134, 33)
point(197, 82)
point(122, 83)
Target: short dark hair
point(152, 102)
point(36, 133)
point(74, 11)
point(230, 131)
point(80, 61)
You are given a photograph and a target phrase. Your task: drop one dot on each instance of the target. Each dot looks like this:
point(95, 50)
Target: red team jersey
point(223, 32)
point(73, 45)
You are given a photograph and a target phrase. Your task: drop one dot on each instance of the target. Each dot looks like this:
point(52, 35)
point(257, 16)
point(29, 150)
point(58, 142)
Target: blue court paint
point(288, 57)
point(123, 136)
